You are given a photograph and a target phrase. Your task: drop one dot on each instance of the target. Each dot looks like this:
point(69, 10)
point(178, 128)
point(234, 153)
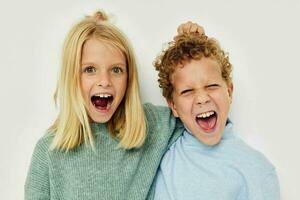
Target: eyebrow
point(88, 63)
point(212, 84)
point(117, 63)
point(179, 91)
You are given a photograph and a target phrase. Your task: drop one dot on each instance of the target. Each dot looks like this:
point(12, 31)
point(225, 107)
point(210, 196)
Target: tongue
point(208, 123)
point(101, 102)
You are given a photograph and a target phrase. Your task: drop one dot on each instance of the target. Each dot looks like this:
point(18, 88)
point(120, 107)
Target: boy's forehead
point(208, 67)
point(208, 61)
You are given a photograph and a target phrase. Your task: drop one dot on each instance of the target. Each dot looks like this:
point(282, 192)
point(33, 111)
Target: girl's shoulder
point(157, 114)
point(159, 118)
point(157, 110)
point(43, 144)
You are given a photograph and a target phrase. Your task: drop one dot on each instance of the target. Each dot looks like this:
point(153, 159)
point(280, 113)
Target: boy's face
point(201, 99)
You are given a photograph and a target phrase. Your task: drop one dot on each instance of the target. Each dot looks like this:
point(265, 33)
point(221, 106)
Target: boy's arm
point(270, 187)
point(267, 190)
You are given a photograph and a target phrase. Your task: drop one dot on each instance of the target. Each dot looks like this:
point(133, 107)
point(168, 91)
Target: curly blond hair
point(183, 49)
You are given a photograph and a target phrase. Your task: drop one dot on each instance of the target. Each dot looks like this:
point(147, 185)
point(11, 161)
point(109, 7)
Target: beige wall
point(262, 38)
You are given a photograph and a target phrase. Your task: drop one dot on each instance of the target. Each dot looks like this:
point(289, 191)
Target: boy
point(208, 161)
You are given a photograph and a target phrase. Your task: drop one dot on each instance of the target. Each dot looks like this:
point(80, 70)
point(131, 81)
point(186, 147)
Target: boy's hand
point(190, 27)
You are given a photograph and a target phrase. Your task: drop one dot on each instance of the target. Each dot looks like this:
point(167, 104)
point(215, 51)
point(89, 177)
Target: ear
point(173, 107)
point(230, 90)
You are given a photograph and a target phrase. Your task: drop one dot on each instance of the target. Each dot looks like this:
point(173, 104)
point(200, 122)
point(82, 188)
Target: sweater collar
point(191, 140)
point(98, 128)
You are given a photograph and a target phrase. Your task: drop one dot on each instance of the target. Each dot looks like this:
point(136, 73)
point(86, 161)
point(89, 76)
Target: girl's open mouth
point(207, 121)
point(102, 101)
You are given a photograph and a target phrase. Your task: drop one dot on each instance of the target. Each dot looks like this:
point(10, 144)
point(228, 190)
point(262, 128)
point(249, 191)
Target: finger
point(200, 30)
point(194, 29)
point(180, 29)
point(186, 27)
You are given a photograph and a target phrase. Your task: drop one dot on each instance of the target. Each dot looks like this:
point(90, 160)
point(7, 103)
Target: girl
point(104, 144)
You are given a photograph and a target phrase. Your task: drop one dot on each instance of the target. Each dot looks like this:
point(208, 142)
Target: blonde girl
point(104, 144)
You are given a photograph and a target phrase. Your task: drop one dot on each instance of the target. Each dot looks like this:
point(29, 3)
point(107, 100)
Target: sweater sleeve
point(162, 118)
point(159, 117)
point(37, 185)
point(270, 187)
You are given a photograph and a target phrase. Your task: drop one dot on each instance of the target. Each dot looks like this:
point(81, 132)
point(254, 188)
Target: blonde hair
point(184, 48)
point(72, 127)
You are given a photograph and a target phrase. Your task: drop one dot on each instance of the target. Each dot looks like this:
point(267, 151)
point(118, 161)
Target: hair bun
point(99, 17)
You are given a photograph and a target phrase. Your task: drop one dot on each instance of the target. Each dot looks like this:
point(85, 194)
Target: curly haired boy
point(208, 161)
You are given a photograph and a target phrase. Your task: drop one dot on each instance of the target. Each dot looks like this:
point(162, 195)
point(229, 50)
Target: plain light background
point(262, 38)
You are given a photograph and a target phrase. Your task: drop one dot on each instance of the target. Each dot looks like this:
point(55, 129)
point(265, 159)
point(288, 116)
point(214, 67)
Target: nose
point(202, 98)
point(104, 80)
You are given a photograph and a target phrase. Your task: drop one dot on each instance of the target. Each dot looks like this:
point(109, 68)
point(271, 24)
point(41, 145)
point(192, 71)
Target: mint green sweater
point(106, 173)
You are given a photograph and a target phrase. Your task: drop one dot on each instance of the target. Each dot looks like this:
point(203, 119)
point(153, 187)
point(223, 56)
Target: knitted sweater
point(106, 173)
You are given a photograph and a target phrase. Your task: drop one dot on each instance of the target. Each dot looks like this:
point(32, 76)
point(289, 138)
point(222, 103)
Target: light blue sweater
point(230, 170)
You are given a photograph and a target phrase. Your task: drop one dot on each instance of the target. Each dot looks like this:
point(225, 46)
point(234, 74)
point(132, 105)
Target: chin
point(212, 141)
point(100, 119)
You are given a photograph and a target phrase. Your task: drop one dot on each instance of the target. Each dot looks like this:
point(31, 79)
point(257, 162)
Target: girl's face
point(103, 79)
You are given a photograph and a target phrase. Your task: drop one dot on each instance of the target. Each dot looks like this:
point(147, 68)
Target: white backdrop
point(262, 38)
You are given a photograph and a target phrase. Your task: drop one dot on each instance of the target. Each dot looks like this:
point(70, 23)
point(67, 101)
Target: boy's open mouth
point(102, 101)
point(207, 120)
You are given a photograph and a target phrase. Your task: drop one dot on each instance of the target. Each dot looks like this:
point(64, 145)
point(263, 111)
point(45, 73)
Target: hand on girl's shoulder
point(156, 111)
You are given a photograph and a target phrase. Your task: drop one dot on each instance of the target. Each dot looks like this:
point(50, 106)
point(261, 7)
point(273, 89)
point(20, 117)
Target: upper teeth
point(103, 95)
point(206, 114)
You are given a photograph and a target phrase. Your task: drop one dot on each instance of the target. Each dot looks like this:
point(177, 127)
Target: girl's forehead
point(107, 44)
point(101, 49)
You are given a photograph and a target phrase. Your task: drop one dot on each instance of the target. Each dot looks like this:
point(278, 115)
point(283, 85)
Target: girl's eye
point(89, 69)
point(117, 70)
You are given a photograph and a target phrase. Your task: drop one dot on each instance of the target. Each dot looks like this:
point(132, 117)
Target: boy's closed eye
point(186, 91)
point(213, 86)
